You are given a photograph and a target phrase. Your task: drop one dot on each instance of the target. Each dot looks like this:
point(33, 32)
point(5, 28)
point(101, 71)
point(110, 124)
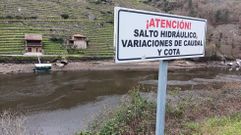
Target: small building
point(78, 41)
point(33, 43)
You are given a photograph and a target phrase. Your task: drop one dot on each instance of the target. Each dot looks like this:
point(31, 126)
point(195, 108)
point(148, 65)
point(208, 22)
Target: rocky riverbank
point(107, 65)
point(189, 110)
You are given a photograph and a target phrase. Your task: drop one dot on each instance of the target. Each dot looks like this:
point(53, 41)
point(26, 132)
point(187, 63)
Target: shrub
point(221, 16)
point(133, 117)
point(33, 17)
point(100, 1)
point(65, 16)
point(57, 40)
point(95, 1)
point(229, 125)
point(9, 17)
point(145, 1)
point(12, 124)
point(110, 20)
point(75, 51)
point(18, 17)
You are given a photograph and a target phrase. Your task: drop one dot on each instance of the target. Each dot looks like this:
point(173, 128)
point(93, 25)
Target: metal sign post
point(161, 98)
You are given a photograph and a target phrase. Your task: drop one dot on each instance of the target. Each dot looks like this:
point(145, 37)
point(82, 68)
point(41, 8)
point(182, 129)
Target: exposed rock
point(91, 17)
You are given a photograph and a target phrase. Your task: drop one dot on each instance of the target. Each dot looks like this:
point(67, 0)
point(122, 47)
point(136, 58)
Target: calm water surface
point(65, 102)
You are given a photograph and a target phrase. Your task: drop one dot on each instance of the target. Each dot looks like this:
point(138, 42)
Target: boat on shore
point(42, 67)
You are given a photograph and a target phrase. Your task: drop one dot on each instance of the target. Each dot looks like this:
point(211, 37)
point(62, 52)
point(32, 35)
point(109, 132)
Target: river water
point(66, 102)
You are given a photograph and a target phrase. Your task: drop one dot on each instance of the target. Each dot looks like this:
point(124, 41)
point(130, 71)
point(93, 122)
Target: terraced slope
point(59, 19)
point(11, 40)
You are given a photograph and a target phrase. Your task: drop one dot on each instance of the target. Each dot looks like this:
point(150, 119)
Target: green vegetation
point(65, 16)
point(94, 19)
point(187, 113)
point(57, 21)
point(133, 117)
point(33, 59)
point(229, 125)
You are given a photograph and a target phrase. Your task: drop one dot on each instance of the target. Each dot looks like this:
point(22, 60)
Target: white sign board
point(145, 36)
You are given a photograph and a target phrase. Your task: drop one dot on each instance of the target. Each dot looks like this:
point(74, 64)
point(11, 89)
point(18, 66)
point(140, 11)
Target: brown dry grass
point(211, 103)
point(12, 123)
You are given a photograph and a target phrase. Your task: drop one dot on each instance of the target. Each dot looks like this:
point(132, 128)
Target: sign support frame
point(125, 54)
point(161, 97)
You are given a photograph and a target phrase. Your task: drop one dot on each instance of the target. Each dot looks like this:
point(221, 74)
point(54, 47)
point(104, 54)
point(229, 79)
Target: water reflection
point(68, 89)
point(70, 97)
point(64, 89)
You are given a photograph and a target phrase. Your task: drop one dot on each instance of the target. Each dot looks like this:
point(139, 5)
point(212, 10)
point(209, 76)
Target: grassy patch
point(187, 113)
point(133, 117)
point(12, 123)
point(229, 125)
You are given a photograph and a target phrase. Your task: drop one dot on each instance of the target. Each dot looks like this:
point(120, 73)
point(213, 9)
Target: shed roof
point(33, 37)
point(79, 35)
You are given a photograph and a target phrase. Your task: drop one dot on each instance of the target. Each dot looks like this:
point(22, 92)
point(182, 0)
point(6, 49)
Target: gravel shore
point(101, 65)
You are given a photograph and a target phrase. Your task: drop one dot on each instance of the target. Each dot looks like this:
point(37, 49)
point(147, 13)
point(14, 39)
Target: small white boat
point(42, 67)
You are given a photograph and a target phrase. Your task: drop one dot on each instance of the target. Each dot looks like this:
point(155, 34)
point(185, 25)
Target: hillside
point(224, 22)
point(57, 20)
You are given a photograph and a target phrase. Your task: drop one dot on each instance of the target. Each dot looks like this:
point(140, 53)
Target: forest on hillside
point(224, 22)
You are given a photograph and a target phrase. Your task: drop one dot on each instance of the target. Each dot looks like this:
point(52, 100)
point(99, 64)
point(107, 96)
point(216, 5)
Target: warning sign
point(145, 36)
